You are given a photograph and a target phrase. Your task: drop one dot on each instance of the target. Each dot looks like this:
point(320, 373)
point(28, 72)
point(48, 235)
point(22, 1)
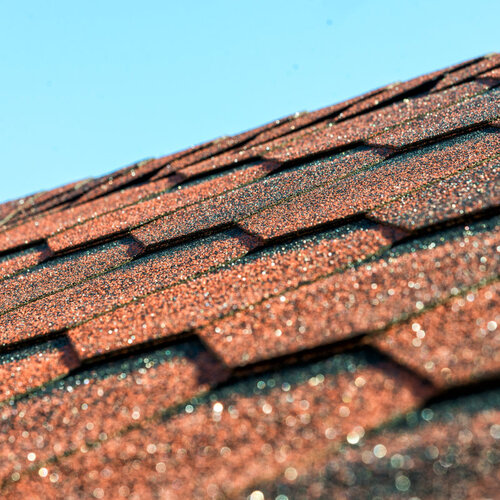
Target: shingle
point(359, 301)
point(26, 370)
point(118, 221)
point(224, 144)
point(8, 208)
point(217, 149)
point(15, 262)
point(471, 71)
point(232, 206)
point(470, 112)
point(303, 119)
point(257, 430)
point(493, 74)
point(465, 193)
point(193, 304)
point(393, 91)
point(96, 404)
point(365, 190)
point(22, 208)
point(64, 272)
point(348, 108)
point(447, 450)
point(39, 228)
point(329, 135)
point(166, 160)
point(121, 178)
point(125, 284)
point(456, 343)
point(54, 199)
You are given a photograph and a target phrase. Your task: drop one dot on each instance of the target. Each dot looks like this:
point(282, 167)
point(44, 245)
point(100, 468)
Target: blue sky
point(88, 87)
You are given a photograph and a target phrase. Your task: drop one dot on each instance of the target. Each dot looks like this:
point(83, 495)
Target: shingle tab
point(66, 271)
point(121, 220)
point(27, 370)
point(445, 451)
point(223, 445)
point(455, 343)
point(372, 187)
point(233, 206)
point(15, 262)
point(465, 193)
point(462, 74)
point(368, 298)
point(191, 305)
point(42, 227)
point(96, 404)
point(329, 135)
point(476, 111)
point(125, 284)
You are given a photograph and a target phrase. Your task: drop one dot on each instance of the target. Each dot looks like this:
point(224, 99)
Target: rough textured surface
point(138, 214)
point(65, 272)
point(447, 450)
point(308, 309)
point(24, 259)
point(475, 111)
point(455, 343)
point(219, 446)
point(360, 300)
point(467, 192)
point(187, 306)
point(363, 189)
point(28, 369)
point(123, 284)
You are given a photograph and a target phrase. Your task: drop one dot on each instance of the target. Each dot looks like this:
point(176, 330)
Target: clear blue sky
point(90, 86)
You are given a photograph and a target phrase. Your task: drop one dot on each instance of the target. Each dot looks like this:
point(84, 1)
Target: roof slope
point(308, 310)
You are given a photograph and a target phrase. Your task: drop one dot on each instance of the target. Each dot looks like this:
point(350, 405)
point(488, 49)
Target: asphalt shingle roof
point(309, 309)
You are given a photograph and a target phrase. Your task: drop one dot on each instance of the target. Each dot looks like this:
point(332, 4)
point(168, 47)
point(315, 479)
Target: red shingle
point(448, 450)
point(222, 446)
point(18, 210)
point(20, 374)
point(460, 75)
point(193, 304)
point(455, 343)
point(369, 188)
point(358, 301)
point(462, 194)
point(389, 93)
point(42, 227)
point(235, 205)
point(219, 148)
point(13, 263)
point(65, 271)
point(493, 74)
point(471, 112)
point(329, 135)
point(137, 279)
point(127, 218)
point(121, 178)
point(226, 143)
point(305, 118)
point(96, 405)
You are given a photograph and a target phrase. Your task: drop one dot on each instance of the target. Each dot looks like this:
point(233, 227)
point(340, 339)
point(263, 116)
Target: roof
point(309, 309)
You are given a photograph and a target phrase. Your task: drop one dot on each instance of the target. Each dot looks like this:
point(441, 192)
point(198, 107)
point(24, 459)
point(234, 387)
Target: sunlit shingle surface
point(306, 310)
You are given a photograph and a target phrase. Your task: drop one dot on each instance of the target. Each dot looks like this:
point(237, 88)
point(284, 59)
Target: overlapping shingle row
point(248, 317)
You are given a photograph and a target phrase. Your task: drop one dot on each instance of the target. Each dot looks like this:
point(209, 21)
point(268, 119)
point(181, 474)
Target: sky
point(90, 86)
